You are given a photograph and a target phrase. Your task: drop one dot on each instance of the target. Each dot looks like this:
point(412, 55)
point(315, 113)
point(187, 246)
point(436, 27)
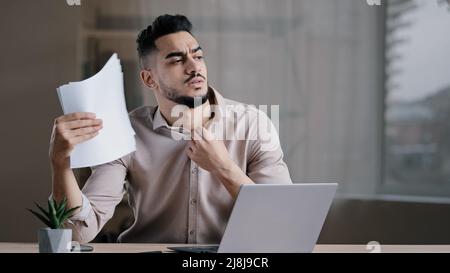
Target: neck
point(191, 117)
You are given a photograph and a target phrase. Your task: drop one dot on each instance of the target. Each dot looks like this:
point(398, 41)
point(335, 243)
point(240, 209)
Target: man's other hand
point(209, 153)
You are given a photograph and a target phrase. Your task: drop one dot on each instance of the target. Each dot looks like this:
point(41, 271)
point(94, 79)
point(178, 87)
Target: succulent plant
point(56, 215)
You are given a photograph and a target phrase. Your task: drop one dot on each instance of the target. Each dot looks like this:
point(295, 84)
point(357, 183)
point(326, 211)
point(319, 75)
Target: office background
point(363, 92)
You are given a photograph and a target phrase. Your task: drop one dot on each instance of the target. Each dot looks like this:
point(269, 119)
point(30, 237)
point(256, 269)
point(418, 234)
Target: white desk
point(136, 248)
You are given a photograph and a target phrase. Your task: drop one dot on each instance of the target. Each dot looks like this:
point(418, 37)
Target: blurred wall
point(37, 55)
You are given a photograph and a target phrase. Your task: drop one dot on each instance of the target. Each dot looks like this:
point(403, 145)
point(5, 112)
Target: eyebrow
point(182, 54)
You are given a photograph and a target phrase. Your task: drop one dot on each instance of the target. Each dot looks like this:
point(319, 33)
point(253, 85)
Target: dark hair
point(163, 25)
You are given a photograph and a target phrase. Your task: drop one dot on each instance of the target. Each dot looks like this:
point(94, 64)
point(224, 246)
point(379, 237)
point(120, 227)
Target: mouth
point(195, 82)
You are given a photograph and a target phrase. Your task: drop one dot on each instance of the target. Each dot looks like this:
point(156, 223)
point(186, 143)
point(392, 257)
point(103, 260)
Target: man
point(181, 189)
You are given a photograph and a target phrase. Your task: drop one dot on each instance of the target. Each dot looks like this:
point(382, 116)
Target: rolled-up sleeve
point(84, 212)
point(101, 193)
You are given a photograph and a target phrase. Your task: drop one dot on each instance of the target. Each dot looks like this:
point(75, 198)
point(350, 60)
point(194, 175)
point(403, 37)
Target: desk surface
point(136, 248)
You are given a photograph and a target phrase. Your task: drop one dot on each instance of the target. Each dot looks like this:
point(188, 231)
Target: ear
point(147, 78)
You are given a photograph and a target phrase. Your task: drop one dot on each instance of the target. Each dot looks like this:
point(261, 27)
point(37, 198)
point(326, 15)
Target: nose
point(192, 66)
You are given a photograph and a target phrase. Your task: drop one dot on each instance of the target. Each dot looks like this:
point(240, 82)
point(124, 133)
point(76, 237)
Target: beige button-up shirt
point(174, 200)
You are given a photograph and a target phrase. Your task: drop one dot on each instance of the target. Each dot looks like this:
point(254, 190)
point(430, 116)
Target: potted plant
point(54, 238)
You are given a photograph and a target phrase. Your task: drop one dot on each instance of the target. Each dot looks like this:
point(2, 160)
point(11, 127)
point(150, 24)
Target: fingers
point(75, 116)
point(85, 130)
point(82, 138)
point(70, 130)
point(191, 145)
point(77, 124)
point(81, 123)
point(77, 127)
point(196, 135)
point(200, 134)
point(190, 149)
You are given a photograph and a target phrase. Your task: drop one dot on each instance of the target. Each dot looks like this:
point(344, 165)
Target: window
point(417, 126)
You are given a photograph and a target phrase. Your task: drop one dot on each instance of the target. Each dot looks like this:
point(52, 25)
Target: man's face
point(179, 68)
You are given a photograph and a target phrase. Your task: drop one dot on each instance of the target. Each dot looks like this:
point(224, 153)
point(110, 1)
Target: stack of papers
point(102, 94)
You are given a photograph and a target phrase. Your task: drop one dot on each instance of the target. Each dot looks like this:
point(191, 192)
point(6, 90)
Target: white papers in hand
point(102, 94)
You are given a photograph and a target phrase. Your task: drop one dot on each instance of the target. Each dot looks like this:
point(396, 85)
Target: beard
point(191, 102)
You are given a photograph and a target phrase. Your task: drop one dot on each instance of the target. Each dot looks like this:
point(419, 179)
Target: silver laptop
point(274, 218)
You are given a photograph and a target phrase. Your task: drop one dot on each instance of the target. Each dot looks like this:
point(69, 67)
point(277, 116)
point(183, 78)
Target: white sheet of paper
point(102, 94)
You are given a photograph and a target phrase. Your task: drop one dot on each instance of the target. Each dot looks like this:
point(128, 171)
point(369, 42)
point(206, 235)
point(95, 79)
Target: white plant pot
point(54, 240)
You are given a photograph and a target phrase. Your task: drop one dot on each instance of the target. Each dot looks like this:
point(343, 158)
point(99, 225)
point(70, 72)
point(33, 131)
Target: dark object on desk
point(195, 249)
point(83, 248)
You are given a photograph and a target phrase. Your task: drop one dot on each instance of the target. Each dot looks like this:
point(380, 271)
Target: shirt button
point(195, 170)
point(191, 232)
point(193, 202)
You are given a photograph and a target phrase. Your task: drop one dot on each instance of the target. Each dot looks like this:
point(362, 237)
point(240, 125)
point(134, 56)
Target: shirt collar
point(158, 120)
